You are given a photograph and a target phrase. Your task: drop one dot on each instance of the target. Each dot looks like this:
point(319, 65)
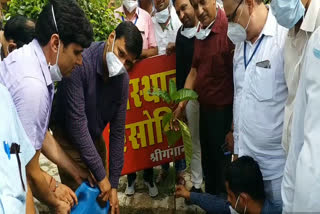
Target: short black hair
point(72, 24)
point(244, 176)
point(20, 30)
point(132, 37)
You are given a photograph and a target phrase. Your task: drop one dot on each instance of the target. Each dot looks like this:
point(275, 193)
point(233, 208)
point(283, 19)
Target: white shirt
point(301, 181)
point(169, 34)
point(12, 195)
point(294, 51)
point(260, 95)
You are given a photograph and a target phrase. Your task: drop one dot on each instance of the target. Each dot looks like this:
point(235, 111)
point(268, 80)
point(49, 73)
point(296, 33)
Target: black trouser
point(214, 125)
point(147, 176)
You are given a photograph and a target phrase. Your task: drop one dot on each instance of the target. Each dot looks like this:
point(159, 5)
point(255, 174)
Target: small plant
point(173, 135)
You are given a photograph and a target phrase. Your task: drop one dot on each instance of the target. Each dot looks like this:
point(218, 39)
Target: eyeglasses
point(231, 18)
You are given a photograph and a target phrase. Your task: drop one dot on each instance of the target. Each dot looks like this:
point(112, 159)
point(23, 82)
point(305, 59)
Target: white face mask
point(115, 67)
point(54, 69)
point(234, 211)
point(162, 16)
point(130, 5)
point(189, 32)
point(204, 33)
point(236, 32)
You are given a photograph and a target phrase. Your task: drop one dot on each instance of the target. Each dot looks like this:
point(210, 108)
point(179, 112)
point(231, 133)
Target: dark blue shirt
point(85, 104)
point(216, 205)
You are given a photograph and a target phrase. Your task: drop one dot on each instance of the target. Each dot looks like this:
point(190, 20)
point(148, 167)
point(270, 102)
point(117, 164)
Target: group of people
point(254, 127)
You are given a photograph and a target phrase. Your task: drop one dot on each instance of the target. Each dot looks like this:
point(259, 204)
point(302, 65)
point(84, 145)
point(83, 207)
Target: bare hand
point(181, 191)
point(84, 175)
point(65, 194)
point(171, 48)
point(230, 142)
point(62, 207)
point(105, 188)
point(177, 114)
point(114, 202)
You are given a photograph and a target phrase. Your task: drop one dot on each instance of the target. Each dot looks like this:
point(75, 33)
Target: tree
point(97, 11)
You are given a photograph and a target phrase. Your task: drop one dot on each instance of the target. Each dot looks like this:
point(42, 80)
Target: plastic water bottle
point(87, 201)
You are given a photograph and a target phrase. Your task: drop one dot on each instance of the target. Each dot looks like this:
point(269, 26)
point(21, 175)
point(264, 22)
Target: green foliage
point(187, 141)
point(166, 119)
point(97, 11)
point(174, 97)
point(184, 94)
point(101, 17)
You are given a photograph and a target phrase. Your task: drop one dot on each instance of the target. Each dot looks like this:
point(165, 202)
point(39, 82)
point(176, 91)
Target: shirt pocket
point(262, 84)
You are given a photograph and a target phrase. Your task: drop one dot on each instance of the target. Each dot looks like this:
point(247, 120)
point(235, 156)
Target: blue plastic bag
point(87, 201)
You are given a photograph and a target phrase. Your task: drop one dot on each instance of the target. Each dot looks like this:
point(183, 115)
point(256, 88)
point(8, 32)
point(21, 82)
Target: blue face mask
point(287, 12)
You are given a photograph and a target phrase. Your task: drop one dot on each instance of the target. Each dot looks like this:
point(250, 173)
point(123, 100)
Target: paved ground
point(141, 202)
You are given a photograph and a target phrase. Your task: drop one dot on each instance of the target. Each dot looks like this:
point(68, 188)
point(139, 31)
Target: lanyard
point(135, 22)
point(254, 52)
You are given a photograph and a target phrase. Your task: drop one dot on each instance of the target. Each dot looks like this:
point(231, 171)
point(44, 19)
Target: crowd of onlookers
point(254, 126)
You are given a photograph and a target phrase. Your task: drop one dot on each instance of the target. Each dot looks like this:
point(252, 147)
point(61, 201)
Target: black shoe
point(193, 189)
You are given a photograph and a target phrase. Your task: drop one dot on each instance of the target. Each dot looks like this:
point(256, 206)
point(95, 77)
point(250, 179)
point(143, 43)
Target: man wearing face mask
point(18, 31)
point(166, 24)
point(96, 94)
point(292, 15)
point(244, 184)
point(211, 77)
point(184, 53)
point(142, 20)
point(300, 186)
point(29, 74)
point(260, 88)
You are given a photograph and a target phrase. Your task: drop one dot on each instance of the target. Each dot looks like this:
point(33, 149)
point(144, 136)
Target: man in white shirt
point(260, 88)
point(293, 57)
point(300, 186)
point(166, 25)
point(15, 155)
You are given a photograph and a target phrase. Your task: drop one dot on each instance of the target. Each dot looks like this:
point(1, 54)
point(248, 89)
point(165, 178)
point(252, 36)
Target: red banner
point(145, 144)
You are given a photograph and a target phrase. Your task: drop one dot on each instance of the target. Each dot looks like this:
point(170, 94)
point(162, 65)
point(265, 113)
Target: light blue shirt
point(12, 195)
point(26, 75)
point(260, 94)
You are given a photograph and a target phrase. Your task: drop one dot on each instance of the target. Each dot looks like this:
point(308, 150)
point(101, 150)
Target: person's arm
point(210, 203)
point(78, 130)
point(53, 151)
point(152, 44)
point(307, 171)
point(116, 146)
point(153, 51)
point(117, 135)
point(40, 187)
point(189, 84)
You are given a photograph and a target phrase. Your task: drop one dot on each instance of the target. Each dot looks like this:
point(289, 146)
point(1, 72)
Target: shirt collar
point(136, 13)
point(309, 23)
point(42, 60)
point(218, 25)
point(270, 27)
point(100, 67)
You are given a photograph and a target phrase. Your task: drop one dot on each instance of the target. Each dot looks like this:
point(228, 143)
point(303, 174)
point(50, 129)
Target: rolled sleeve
point(117, 130)
point(77, 123)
